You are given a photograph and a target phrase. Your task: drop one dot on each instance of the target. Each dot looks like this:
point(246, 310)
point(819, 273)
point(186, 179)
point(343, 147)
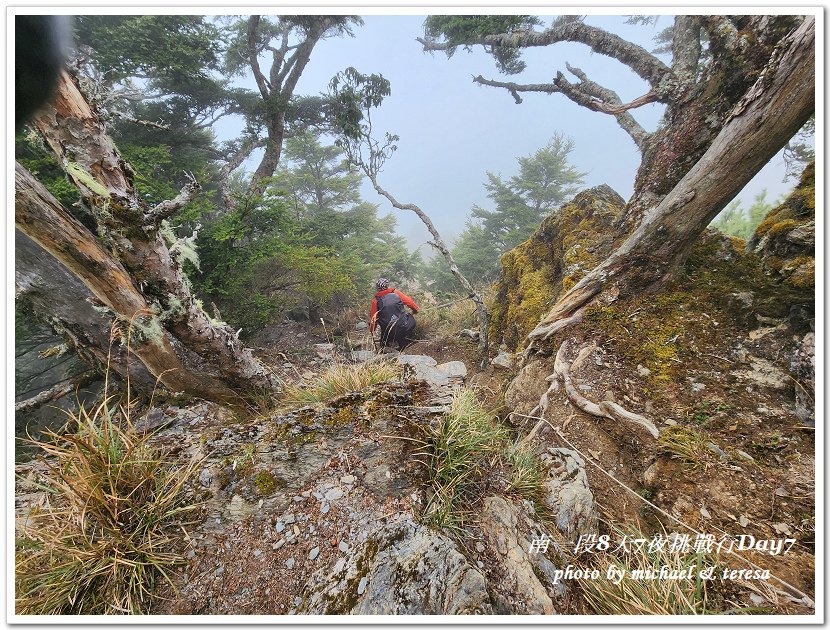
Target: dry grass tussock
point(339, 379)
point(113, 523)
point(446, 321)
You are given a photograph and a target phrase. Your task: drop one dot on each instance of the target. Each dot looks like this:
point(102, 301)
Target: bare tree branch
point(646, 65)
point(166, 208)
point(231, 164)
point(587, 94)
point(253, 54)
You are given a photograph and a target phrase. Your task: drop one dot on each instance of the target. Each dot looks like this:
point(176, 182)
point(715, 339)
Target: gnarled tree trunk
point(770, 112)
point(57, 296)
point(137, 275)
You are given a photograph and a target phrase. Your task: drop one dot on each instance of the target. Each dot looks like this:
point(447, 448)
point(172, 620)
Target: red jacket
point(373, 312)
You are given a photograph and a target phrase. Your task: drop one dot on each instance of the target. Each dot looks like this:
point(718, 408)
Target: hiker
point(396, 324)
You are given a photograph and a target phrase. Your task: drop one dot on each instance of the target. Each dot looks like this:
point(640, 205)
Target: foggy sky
point(453, 131)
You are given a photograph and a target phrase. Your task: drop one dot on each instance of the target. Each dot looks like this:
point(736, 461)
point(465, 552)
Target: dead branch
point(54, 393)
point(166, 208)
point(646, 65)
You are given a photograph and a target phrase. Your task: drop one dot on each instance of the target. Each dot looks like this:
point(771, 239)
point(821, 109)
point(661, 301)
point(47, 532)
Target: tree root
point(605, 409)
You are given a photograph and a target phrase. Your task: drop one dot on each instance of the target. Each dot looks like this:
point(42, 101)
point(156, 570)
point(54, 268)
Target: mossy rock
point(568, 244)
point(785, 239)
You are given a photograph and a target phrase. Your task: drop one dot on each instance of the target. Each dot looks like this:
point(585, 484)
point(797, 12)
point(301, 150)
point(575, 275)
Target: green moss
point(266, 484)
point(535, 274)
point(782, 227)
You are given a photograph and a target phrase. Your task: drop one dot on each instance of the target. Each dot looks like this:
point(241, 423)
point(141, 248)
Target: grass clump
point(685, 444)
point(527, 477)
point(639, 592)
point(457, 449)
point(340, 379)
point(113, 523)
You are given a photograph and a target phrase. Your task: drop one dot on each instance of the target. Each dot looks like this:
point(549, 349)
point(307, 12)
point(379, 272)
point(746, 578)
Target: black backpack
point(390, 310)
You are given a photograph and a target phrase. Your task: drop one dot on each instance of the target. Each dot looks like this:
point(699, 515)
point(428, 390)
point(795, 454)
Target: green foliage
point(544, 182)
point(33, 155)
point(463, 30)
point(308, 242)
point(735, 221)
point(174, 50)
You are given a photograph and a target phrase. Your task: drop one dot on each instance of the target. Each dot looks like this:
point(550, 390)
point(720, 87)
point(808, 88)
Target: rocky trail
point(319, 509)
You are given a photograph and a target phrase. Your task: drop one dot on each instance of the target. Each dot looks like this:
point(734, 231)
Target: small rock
point(347, 479)
point(289, 518)
point(454, 369)
point(479, 547)
point(470, 334)
point(191, 554)
point(361, 587)
point(781, 528)
point(743, 520)
point(503, 360)
point(339, 565)
point(299, 499)
point(308, 376)
point(334, 494)
point(205, 478)
point(479, 564)
point(705, 513)
point(670, 422)
point(324, 508)
point(289, 564)
point(298, 601)
point(312, 555)
point(343, 546)
point(219, 571)
point(279, 527)
point(257, 553)
point(717, 450)
point(296, 530)
point(361, 325)
point(324, 350)
point(745, 455)
point(278, 545)
point(643, 370)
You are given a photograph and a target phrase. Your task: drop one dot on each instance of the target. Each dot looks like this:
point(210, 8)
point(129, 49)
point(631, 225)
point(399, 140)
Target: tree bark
point(141, 279)
point(58, 297)
point(763, 121)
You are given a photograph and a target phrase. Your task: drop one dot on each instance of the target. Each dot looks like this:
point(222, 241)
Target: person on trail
point(387, 312)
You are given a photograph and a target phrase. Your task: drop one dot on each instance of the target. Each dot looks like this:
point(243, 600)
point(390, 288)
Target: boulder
point(402, 569)
point(527, 594)
point(568, 494)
